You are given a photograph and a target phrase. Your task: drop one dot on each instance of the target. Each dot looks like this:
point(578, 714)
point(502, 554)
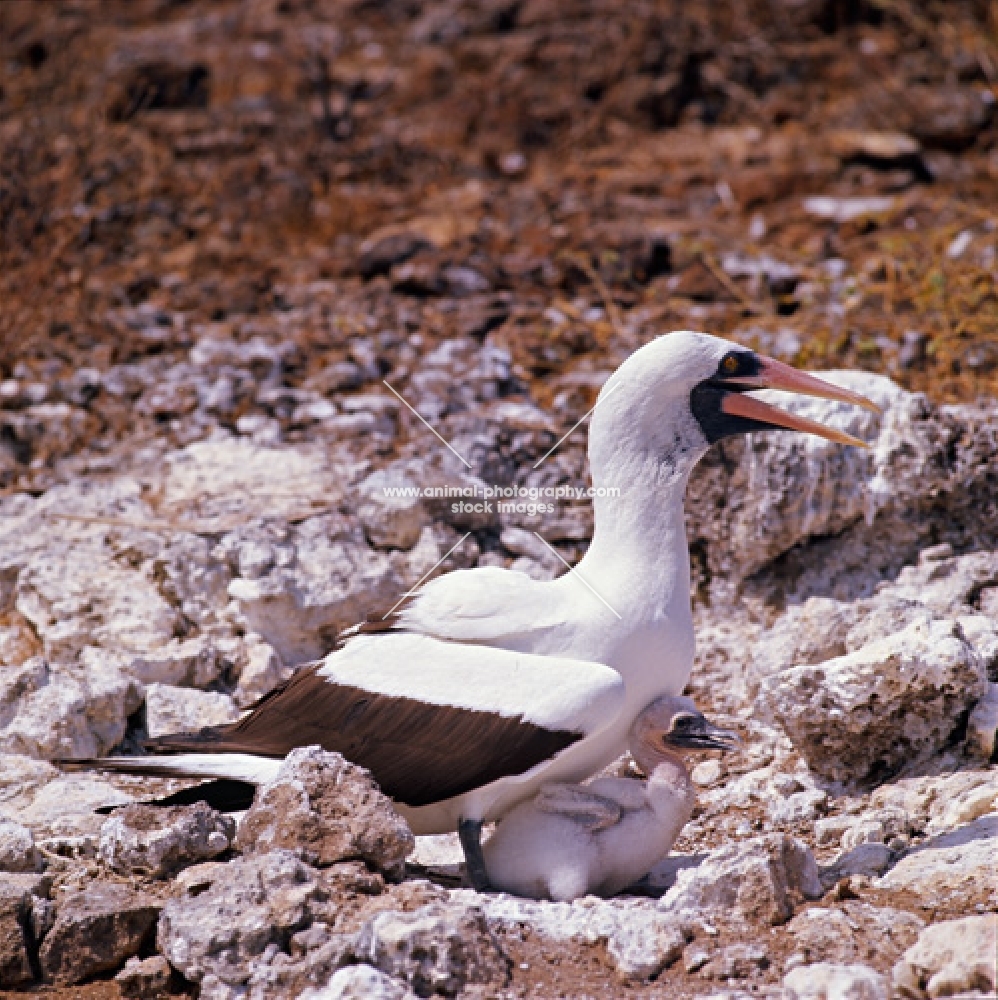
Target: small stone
point(706, 773)
point(260, 670)
point(234, 923)
point(695, 957)
point(892, 699)
point(736, 961)
point(328, 809)
point(799, 807)
point(825, 981)
point(875, 828)
point(950, 958)
point(982, 726)
point(15, 909)
point(957, 866)
point(883, 148)
point(186, 710)
point(143, 978)
point(392, 512)
point(640, 939)
point(95, 931)
point(17, 848)
point(847, 209)
point(831, 829)
point(359, 982)
point(381, 255)
point(156, 842)
point(853, 932)
point(758, 879)
point(439, 948)
point(865, 859)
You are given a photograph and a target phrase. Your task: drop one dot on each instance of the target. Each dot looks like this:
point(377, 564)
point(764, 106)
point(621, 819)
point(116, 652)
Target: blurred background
point(541, 185)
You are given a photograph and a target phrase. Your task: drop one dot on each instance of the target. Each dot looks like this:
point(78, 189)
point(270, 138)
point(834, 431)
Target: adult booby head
point(684, 391)
point(500, 683)
point(571, 840)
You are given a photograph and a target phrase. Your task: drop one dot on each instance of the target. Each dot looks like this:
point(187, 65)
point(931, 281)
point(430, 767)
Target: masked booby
point(440, 700)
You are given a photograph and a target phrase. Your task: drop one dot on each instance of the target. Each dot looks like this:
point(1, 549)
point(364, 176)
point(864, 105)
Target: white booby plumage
point(465, 703)
point(571, 840)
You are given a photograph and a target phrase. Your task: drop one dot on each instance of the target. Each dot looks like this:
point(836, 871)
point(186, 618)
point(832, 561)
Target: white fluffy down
point(560, 850)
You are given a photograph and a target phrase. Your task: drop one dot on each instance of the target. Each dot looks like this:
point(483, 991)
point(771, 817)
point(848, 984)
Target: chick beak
point(705, 736)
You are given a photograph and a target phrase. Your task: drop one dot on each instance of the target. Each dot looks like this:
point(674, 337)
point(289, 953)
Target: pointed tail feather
point(236, 766)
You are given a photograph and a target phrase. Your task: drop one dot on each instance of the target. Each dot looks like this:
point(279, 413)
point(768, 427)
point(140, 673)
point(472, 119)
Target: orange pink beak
point(776, 375)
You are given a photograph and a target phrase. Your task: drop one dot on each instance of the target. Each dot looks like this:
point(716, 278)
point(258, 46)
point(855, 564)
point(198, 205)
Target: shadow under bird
point(571, 840)
point(487, 684)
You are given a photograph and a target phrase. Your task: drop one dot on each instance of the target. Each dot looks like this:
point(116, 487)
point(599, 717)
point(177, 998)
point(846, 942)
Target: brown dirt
point(213, 160)
point(90, 991)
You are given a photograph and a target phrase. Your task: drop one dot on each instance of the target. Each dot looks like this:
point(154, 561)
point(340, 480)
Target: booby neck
point(642, 449)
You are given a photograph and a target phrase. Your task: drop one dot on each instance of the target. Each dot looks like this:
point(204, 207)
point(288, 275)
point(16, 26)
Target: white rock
point(335, 580)
point(937, 803)
point(956, 866)
point(190, 662)
point(79, 595)
point(641, 940)
point(260, 670)
point(865, 859)
point(783, 488)
point(757, 879)
point(825, 981)
point(982, 726)
point(230, 926)
point(52, 712)
point(17, 848)
point(327, 810)
point(798, 807)
point(155, 841)
point(706, 773)
point(950, 958)
point(894, 699)
point(876, 826)
point(359, 982)
point(840, 520)
point(190, 576)
point(391, 520)
point(65, 806)
point(229, 480)
point(186, 710)
point(946, 583)
point(855, 932)
point(847, 209)
point(439, 948)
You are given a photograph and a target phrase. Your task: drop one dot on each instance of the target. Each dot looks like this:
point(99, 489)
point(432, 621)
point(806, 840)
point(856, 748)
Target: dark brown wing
point(418, 753)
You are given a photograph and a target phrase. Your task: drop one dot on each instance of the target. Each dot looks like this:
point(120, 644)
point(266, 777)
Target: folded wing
point(429, 719)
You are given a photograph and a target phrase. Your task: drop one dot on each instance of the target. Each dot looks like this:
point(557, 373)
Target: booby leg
point(470, 833)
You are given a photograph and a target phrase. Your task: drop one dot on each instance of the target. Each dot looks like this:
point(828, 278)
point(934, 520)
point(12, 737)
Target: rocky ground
point(224, 224)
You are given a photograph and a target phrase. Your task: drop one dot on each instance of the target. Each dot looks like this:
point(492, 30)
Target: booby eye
point(683, 723)
point(730, 365)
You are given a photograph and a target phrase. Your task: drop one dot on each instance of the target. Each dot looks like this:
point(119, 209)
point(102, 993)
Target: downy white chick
point(572, 839)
